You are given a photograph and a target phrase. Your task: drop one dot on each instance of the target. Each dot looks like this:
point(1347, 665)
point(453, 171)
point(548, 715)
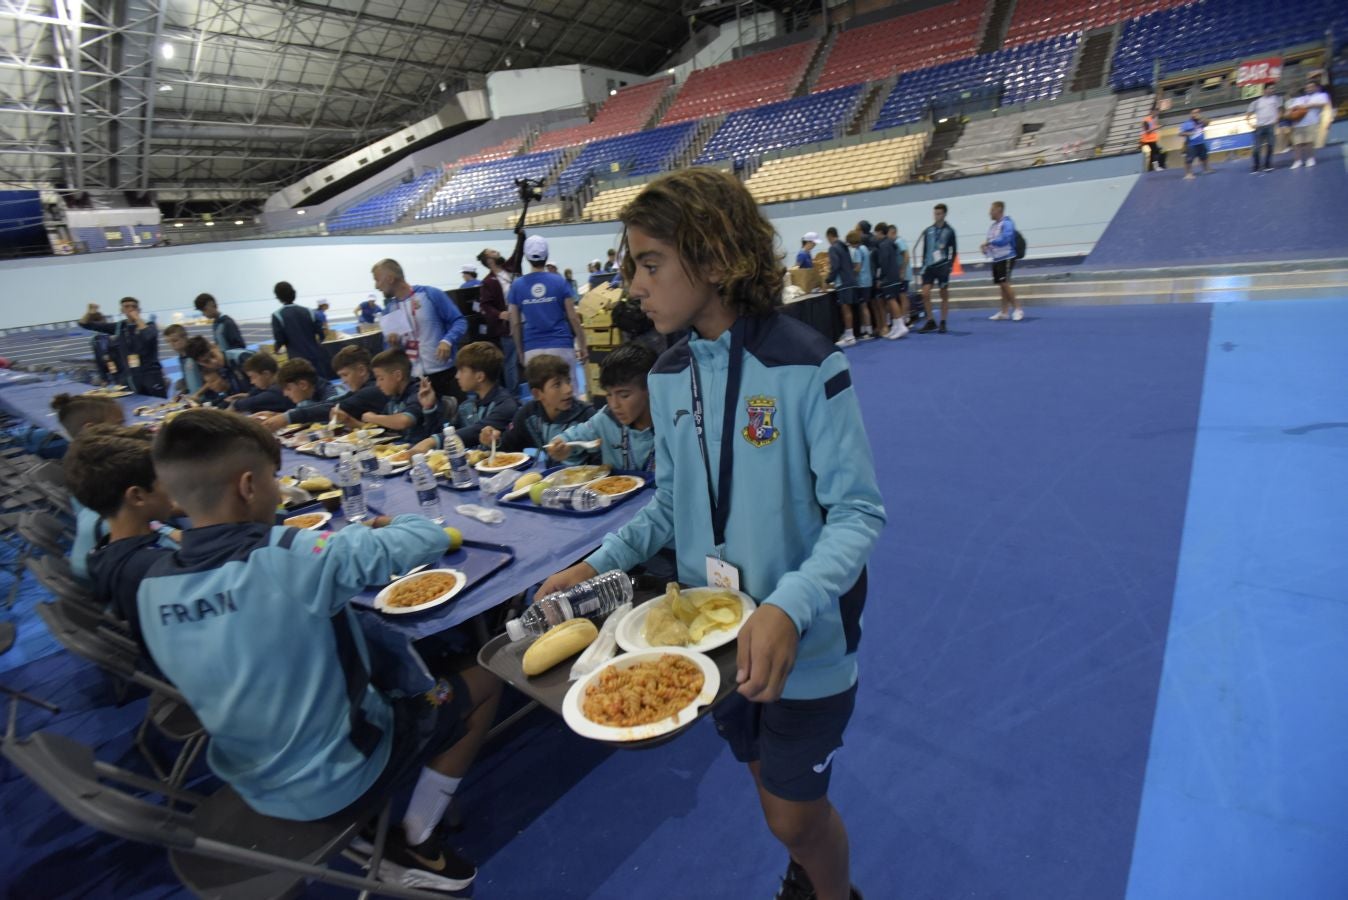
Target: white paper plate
point(640, 483)
point(326, 517)
point(492, 470)
point(575, 719)
point(629, 629)
point(381, 599)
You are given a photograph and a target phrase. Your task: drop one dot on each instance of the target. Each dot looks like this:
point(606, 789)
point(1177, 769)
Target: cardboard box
point(807, 280)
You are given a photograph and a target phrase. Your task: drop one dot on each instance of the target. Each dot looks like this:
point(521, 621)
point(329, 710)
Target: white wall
point(751, 30)
point(1062, 210)
point(519, 91)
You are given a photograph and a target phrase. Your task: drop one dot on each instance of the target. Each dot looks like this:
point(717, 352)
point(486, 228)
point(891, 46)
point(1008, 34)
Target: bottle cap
point(515, 629)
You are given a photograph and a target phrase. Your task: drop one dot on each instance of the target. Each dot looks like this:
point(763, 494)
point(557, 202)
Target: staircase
point(666, 100)
point(994, 27)
point(816, 65)
point(1093, 61)
point(705, 129)
point(945, 136)
point(871, 99)
point(1126, 126)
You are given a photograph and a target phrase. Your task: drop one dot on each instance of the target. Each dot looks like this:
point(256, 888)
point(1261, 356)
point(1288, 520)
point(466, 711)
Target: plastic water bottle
point(353, 492)
point(580, 499)
point(459, 472)
point(593, 599)
point(428, 494)
point(373, 478)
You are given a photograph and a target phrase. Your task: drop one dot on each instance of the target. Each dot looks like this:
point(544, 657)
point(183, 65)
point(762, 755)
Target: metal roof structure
point(231, 99)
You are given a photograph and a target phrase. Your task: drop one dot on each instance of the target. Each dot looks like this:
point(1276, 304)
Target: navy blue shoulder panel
point(673, 360)
point(780, 340)
point(204, 549)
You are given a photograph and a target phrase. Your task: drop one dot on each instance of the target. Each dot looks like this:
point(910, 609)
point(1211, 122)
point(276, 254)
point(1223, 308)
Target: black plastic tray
point(525, 503)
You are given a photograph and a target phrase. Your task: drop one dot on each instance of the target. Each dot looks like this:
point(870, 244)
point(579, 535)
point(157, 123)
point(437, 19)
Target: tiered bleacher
point(509, 147)
point(1018, 75)
point(629, 156)
point(487, 185)
point(627, 111)
point(606, 204)
point(742, 83)
point(1015, 141)
point(1035, 20)
point(926, 38)
point(1213, 31)
point(386, 207)
point(803, 120)
point(840, 170)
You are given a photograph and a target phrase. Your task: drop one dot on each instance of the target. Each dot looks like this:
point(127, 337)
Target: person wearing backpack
point(1004, 246)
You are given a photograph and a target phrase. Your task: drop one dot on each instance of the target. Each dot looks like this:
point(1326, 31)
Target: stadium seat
point(742, 83)
point(1019, 140)
point(926, 38)
point(629, 156)
point(629, 110)
point(1022, 74)
point(856, 167)
point(606, 204)
point(386, 207)
point(487, 185)
point(803, 120)
point(1035, 20)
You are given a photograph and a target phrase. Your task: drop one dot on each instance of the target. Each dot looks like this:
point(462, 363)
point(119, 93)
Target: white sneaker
point(999, 317)
point(867, 334)
point(1310, 162)
point(1190, 176)
point(1018, 315)
point(847, 340)
point(897, 330)
point(1295, 165)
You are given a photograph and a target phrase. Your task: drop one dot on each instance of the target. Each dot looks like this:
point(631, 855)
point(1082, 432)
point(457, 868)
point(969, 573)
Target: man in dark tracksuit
point(844, 279)
point(136, 347)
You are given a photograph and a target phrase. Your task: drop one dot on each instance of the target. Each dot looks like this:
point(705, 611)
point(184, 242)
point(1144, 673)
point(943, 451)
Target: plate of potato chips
point(700, 618)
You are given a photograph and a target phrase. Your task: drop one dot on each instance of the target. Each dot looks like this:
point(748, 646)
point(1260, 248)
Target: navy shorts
point(1001, 270)
point(793, 741)
point(864, 293)
point(421, 732)
point(1195, 151)
point(847, 295)
point(937, 275)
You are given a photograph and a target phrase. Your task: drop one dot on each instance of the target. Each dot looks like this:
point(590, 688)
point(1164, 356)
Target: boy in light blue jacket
point(623, 427)
point(759, 438)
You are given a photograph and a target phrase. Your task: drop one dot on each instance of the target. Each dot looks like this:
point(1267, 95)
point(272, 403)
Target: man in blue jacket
point(424, 323)
point(938, 261)
point(1000, 247)
point(842, 274)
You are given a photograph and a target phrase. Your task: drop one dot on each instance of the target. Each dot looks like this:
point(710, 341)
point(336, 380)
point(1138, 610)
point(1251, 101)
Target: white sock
point(430, 799)
point(847, 333)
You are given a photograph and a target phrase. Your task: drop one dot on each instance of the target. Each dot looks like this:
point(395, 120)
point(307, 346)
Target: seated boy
point(250, 621)
point(486, 402)
point(624, 425)
point(215, 390)
point(353, 367)
point(210, 358)
point(313, 397)
point(176, 336)
point(110, 471)
point(76, 412)
point(552, 411)
point(402, 410)
point(266, 395)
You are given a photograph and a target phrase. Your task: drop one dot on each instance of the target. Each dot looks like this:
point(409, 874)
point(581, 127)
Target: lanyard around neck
point(719, 492)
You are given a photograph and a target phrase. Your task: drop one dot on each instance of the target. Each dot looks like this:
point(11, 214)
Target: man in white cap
point(470, 278)
point(804, 258)
point(543, 317)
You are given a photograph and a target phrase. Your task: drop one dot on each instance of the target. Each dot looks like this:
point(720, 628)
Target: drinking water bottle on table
point(428, 493)
point(353, 492)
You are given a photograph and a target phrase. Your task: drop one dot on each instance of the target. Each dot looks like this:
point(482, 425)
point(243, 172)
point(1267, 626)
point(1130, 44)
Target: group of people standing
point(871, 271)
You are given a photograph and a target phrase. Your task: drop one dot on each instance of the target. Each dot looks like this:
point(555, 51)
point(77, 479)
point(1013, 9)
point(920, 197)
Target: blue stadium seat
point(1214, 31)
point(803, 120)
point(488, 185)
point(384, 208)
point(628, 156)
point(1025, 74)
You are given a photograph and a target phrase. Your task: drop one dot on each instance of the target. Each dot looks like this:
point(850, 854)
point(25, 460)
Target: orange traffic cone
point(957, 269)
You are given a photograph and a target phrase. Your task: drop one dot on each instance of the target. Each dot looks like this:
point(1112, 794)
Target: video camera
point(530, 189)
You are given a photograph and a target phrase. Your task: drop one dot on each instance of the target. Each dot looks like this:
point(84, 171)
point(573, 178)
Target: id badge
point(112, 367)
point(133, 361)
point(721, 574)
point(410, 347)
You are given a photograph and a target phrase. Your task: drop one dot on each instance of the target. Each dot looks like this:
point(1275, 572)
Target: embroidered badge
point(322, 542)
point(761, 431)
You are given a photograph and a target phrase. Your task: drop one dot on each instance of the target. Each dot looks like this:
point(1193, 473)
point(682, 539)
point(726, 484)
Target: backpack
point(628, 317)
point(1018, 242)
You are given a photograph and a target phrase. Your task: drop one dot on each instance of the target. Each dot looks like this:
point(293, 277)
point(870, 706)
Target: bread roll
point(558, 643)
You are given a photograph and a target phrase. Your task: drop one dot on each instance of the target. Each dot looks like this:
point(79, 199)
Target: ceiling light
point(443, 87)
point(165, 88)
point(210, 224)
point(507, 61)
point(521, 43)
point(670, 71)
point(300, 212)
point(534, 22)
point(612, 92)
point(238, 221)
point(166, 50)
point(941, 121)
point(177, 224)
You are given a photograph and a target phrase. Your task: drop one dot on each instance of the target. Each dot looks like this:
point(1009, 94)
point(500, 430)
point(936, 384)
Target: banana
point(558, 643)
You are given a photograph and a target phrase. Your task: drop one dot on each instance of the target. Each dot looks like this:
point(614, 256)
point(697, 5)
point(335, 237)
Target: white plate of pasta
point(420, 592)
